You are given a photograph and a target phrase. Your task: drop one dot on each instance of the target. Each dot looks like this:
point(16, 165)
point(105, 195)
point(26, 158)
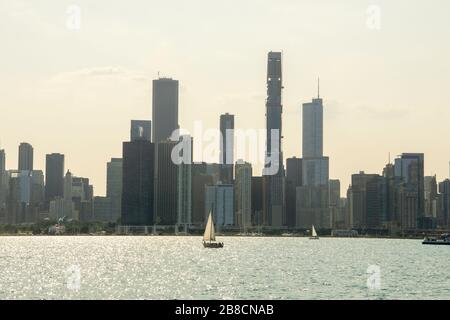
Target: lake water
point(118, 267)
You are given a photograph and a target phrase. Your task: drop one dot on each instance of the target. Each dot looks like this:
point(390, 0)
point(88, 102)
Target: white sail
point(314, 233)
point(210, 233)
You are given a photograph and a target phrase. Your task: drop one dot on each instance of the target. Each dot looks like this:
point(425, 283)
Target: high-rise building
point(3, 185)
point(227, 147)
point(443, 214)
point(257, 201)
point(410, 167)
point(431, 196)
point(312, 145)
point(184, 181)
point(199, 183)
point(114, 187)
point(165, 108)
point(220, 200)
point(243, 194)
point(141, 130)
point(166, 184)
point(313, 205)
point(337, 212)
point(274, 197)
point(102, 210)
point(138, 183)
point(25, 157)
point(293, 180)
point(54, 176)
point(2, 161)
point(369, 201)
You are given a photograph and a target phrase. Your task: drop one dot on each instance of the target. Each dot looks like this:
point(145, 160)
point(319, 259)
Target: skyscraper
point(54, 176)
point(114, 187)
point(410, 166)
point(274, 170)
point(243, 194)
point(293, 180)
point(200, 179)
point(220, 200)
point(3, 184)
point(443, 215)
point(166, 184)
point(312, 197)
point(25, 156)
point(2, 160)
point(165, 108)
point(141, 130)
point(184, 181)
point(313, 129)
point(227, 147)
point(138, 183)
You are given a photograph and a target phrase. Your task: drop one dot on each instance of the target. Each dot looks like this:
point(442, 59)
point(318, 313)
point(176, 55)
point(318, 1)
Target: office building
point(25, 157)
point(141, 130)
point(243, 195)
point(410, 167)
point(219, 199)
point(54, 176)
point(114, 186)
point(227, 147)
point(274, 197)
point(293, 180)
point(138, 183)
point(166, 184)
point(165, 109)
point(184, 180)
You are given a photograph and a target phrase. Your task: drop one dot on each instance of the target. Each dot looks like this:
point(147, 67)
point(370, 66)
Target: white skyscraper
point(313, 129)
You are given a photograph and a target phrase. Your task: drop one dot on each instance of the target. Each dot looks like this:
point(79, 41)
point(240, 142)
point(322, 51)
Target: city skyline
point(375, 88)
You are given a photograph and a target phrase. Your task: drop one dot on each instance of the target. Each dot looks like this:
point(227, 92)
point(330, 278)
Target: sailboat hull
point(212, 244)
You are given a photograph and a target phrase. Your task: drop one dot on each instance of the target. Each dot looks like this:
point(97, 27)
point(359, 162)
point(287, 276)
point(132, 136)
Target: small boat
point(314, 235)
point(209, 237)
point(443, 240)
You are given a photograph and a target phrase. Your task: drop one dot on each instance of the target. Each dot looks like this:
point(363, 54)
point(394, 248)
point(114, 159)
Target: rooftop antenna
point(318, 88)
point(389, 157)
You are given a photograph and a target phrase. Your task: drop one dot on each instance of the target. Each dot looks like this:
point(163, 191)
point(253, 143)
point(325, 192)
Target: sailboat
point(209, 237)
point(314, 235)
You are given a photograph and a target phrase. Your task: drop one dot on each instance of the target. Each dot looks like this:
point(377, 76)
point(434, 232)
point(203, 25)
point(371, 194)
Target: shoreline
point(219, 235)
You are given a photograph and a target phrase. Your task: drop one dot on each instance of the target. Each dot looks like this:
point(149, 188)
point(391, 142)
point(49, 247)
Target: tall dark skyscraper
point(2, 160)
point(114, 170)
point(293, 180)
point(165, 108)
point(138, 183)
point(166, 184)
point(141, 130)
point(54, 176)
point(25, 156)
point(227, 147)
point(274, 179)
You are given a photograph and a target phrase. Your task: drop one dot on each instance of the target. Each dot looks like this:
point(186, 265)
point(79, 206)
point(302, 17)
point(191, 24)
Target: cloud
point(107, 72)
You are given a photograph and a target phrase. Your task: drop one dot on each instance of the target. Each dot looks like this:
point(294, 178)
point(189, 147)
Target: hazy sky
point(75, 91)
